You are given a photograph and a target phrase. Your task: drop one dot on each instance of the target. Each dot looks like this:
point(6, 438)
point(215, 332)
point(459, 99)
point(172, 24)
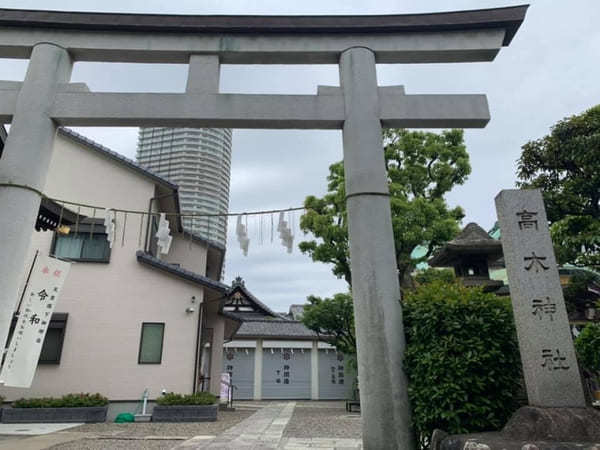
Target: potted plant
point(69, 408)
point(198, 407)
point(587, 345)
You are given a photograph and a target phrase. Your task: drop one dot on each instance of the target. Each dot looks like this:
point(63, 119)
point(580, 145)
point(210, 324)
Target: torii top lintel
point(459, 36)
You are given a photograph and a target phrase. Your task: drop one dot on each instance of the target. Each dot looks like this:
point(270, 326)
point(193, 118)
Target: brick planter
point(192, 413)
point(54, 415)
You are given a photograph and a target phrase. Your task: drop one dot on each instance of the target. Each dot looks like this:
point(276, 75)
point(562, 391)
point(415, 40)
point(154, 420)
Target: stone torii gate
point(53, 41)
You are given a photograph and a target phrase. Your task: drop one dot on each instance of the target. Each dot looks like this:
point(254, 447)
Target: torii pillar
point(53, 40)
point(375, 287)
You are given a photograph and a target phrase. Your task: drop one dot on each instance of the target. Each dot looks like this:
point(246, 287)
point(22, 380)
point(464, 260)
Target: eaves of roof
point(230, 316)
point(211, 245)
point(209, 242)
point(149, 260)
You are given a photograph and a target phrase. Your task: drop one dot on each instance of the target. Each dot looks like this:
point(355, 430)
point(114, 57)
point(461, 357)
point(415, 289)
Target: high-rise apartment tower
point(199, 161)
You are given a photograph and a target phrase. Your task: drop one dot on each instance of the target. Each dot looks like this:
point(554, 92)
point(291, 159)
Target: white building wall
point(107, 303)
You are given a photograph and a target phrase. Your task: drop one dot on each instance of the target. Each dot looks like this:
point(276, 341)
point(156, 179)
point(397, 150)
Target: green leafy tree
point(565, 165)
point(462, 359)
point(581, 291)
point(422, 167)
point(332, 318)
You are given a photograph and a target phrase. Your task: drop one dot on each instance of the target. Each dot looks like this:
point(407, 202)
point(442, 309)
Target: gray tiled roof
point(180, 272)
point(274, 329)
point(471, 240)
point(250, 316)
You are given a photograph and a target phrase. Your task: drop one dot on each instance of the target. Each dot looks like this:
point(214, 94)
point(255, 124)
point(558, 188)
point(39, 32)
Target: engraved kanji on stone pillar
point(547, 352)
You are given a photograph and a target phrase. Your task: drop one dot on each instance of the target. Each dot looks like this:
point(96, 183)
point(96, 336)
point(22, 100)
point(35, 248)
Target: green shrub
point(66, 401)
point(199, 398)
point(432, 274)
point(587, 345)
point(1, 401)
point(462, 359)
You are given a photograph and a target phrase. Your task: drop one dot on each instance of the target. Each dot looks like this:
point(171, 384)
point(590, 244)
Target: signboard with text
point(39, 300)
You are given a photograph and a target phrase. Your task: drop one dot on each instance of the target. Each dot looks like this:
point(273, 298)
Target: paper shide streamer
point(241, 230)
point(109, 226)
point(285, 233)
point(163, 235)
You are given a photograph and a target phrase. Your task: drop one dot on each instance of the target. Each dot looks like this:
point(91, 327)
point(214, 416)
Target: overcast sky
point(550, 70)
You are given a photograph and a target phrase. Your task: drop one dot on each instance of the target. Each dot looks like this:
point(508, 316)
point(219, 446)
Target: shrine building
point(274, 356)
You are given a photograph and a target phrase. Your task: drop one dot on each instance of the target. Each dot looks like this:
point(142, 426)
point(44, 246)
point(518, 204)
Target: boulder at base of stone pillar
point(532, 428)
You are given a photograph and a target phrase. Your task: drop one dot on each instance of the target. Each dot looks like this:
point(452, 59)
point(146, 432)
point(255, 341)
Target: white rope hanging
point(112, 225)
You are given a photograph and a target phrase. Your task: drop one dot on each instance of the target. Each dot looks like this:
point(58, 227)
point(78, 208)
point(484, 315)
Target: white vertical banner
point(41, 294)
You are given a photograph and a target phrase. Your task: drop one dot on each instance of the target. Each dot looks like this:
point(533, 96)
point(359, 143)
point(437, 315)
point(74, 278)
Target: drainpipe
point(198, 346)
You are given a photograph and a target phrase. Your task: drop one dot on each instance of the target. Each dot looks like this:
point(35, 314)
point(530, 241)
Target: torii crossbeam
point(45, 100)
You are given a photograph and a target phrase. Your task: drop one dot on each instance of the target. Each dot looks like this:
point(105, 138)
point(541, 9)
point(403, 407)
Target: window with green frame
point(151, 343)
point(83, 246)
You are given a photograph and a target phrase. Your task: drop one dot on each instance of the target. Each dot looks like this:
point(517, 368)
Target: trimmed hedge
point(462, 359)
point(81, 400)
point(199, 398)
point(587, 345)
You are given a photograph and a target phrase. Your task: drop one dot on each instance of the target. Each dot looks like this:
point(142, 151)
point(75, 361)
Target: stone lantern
point(470, 254)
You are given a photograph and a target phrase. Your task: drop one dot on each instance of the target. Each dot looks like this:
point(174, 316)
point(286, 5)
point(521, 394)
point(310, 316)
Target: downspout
point(198, 346)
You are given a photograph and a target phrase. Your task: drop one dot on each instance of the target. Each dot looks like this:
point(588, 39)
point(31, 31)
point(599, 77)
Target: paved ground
point(151, 435)
point(34, 429)
point(226, 420)
point(330, 421)
point(254, 425)
point(288, 426)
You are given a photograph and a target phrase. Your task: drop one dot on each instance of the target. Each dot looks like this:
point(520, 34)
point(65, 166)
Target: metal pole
point(384, 402)
point(24, 165)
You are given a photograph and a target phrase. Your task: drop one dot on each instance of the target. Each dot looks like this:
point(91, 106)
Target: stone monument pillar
point(547, 352)
point(557, 416)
